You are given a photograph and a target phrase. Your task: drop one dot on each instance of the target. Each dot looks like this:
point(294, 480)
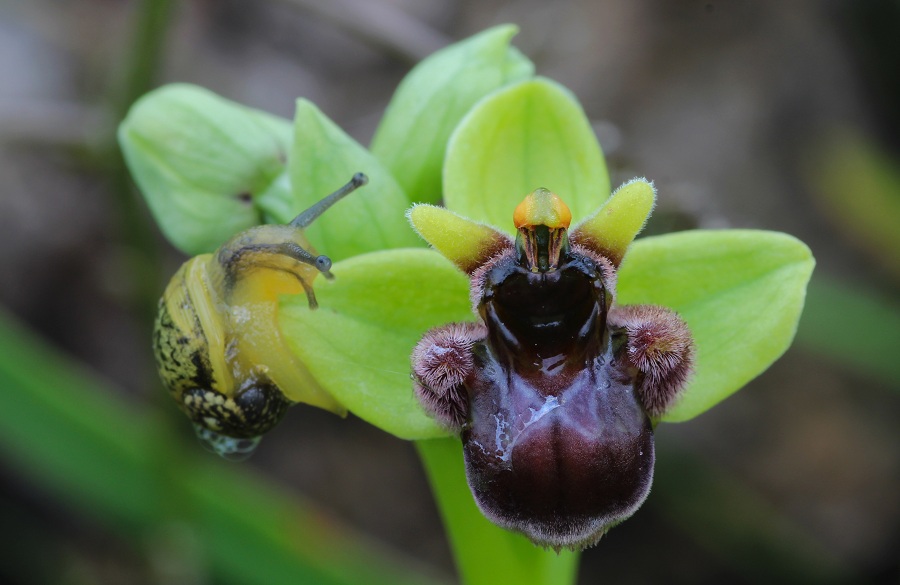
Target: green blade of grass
point(854, 327)
point(737, 525)
point(62, 429)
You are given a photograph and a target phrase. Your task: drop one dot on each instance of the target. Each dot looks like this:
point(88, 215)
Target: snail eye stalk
point(310, 215)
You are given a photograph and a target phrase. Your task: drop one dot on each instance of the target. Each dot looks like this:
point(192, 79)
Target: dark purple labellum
point(557, 445)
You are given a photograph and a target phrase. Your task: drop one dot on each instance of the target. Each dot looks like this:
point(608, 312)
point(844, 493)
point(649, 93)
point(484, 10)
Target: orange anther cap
point(542, 208)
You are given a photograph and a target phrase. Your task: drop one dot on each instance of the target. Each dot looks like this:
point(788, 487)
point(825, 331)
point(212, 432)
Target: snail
point(555, 389)
point(216, 340)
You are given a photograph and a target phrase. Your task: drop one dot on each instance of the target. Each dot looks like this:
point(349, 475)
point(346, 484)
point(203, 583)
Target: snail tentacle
point(310, 215)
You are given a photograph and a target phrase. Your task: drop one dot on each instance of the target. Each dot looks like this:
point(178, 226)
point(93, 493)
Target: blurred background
point(764, 114)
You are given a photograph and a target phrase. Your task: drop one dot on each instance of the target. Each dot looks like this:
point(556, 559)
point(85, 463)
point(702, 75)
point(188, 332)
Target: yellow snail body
point(216, 339)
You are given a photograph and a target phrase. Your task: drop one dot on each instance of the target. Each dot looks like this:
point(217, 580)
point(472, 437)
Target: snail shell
point(216, 339)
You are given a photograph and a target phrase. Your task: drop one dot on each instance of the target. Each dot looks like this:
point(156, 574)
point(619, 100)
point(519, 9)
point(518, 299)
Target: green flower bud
point(202, 161)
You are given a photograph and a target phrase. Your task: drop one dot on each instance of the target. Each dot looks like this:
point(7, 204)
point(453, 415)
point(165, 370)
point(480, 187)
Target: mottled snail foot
point(230, 448)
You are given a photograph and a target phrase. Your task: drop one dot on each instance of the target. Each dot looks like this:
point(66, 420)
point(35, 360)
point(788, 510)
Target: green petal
point(528, 135)
point(431, 100)
point(357, 344)
point(741, 293)
point(201, 162)
point(324, 157)
point(466, 243)
point(612, 228)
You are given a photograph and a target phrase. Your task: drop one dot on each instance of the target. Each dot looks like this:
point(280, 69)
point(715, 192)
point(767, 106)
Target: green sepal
point(741, 293)
point(202, 162)
point(324, 158)
point(612, 228)
point(358, 343)
point(466, 243)
point(431, 100)
point(524, 136)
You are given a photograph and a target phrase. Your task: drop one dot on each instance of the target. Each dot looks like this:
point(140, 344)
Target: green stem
point(486, 554)
point(151, 22)
point(63, 431)
point(136, 77)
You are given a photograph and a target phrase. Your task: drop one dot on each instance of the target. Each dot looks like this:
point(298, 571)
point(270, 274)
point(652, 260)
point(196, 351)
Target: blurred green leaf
point(431, 100)
point(486, 554)
point(524, 136)
point(853, 326)
point(741, 293)
point(357, 344)
point(736, 524)
point(63, 429)
point(257, 534)
point(202, 162)
point(859, 187)
point(324, 157)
